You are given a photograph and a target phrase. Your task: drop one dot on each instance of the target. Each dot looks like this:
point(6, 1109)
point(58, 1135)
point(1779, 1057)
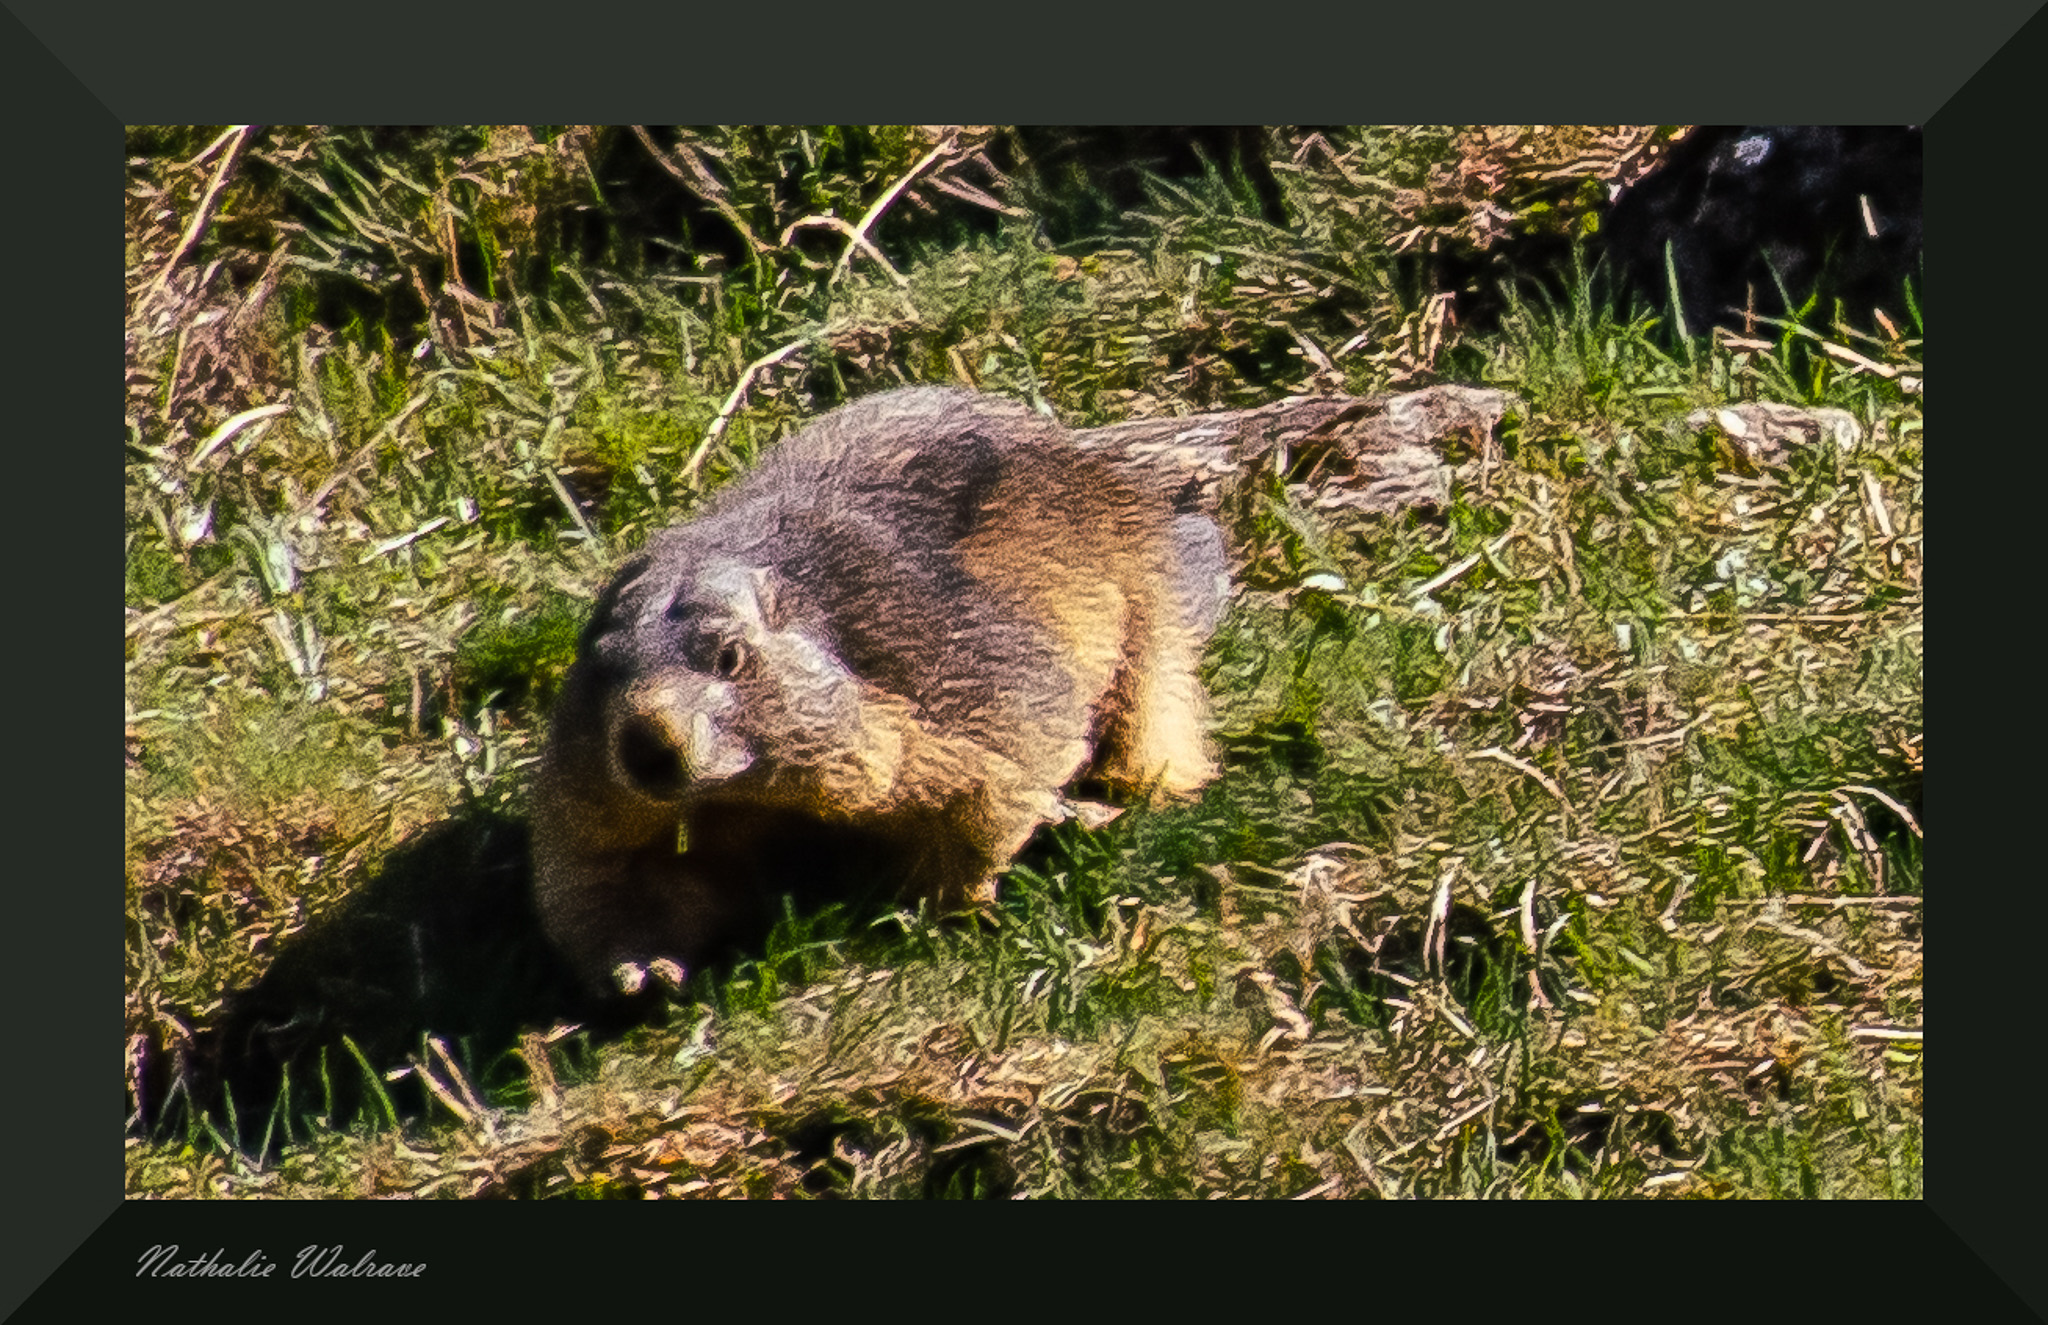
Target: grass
point(1565, 844)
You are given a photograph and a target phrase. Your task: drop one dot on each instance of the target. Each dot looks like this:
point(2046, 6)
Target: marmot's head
point(704, 687)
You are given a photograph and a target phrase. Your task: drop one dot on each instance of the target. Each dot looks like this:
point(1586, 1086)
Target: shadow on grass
point(444, 941)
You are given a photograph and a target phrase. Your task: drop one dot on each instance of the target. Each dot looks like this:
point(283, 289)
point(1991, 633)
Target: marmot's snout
point(670, 739)
point(652, 765)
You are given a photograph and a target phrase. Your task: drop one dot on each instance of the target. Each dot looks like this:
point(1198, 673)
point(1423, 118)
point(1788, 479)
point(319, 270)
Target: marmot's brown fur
point(878, 656)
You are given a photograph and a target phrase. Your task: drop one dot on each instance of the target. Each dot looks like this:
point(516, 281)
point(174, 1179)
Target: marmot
point(879, 656)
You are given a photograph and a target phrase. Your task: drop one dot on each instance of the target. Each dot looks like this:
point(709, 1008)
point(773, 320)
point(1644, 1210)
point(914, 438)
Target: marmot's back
point(894, 641)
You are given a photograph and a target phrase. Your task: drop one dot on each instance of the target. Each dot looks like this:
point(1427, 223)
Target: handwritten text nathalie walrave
point(314, 1262)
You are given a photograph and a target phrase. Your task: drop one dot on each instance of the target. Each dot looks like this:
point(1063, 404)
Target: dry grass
point(1567, 843)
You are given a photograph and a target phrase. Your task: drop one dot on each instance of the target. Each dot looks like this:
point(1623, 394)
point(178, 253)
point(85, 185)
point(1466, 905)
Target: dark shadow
point(1093, 177)
point(444, 941)
point(1485, 968)
point(1568, 1140)
point(1747, 216)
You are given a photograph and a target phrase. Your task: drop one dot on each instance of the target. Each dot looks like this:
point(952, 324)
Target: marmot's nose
point(649, 760)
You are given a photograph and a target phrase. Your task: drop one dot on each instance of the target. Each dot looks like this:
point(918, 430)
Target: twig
point(1894, 900)
point(1528, 909)
point(1875, 492)
point(143, 620)
point(1884, 1033)
point(732, 404)
point(1855, 360)
point(1354, 1145)
point(1815, 940)
point(1896, 808)
point(1499, 755)
point(364, 452)
point(704, 184)
point(1436, 933)
point(968, 193)
point(1801, 618)
point(1656, 738)
point(1832, 350)
point(461, 1082)
point(1733, 341)
point(204, 212)
point(1312, 350)
point(1534, 943)
point(212, 147)
point(946, 146)
point(391, 545)
point(235, 425)
point(533, 1047)
point(866, 246)
point(1458, 568)
point(177, 367)
point(441, 1092)
point(569, 505)
point(1444, 1132)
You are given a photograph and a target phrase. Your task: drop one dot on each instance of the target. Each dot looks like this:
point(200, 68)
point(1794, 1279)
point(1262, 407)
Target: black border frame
point(1971, 76)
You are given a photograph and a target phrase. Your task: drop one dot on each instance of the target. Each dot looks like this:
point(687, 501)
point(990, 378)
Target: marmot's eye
point(715, 653)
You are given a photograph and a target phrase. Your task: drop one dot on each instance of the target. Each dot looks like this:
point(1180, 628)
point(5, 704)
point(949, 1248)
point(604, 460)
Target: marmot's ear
point(606, 609)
